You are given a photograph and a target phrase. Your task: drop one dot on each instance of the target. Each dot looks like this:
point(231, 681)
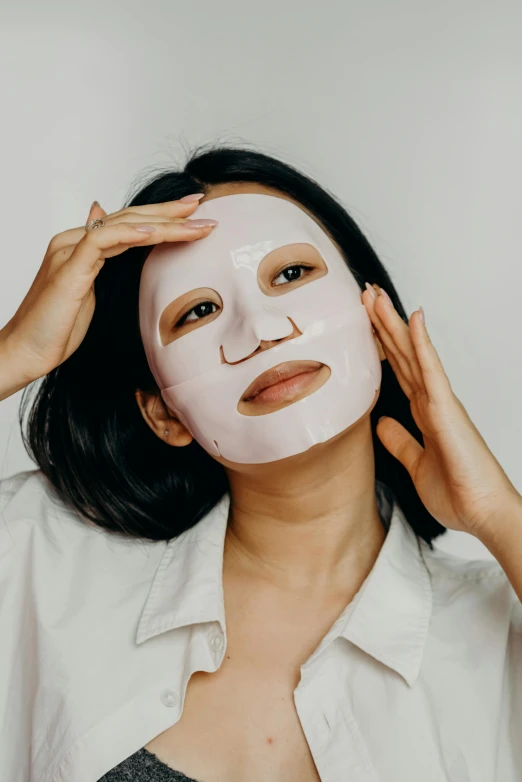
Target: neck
point(309, 522)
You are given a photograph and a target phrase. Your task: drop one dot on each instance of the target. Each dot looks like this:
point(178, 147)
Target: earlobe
point(161, 420)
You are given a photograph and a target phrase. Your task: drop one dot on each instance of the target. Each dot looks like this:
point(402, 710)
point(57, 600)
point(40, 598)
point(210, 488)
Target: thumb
point(95, 212)
point(400, 443)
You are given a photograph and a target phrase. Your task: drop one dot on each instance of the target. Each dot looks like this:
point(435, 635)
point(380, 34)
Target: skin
point(304, 532)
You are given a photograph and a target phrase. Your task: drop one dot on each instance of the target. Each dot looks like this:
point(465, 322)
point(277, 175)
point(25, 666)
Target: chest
point(272, 705)
point(264, 715)
point(236, 726)
point(241, 721)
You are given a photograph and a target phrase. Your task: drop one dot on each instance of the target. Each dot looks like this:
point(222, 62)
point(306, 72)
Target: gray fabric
point(143, 766)
point(385, 500)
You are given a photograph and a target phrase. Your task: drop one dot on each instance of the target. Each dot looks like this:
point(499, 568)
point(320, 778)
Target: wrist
point(498, 530)
point(13, 376)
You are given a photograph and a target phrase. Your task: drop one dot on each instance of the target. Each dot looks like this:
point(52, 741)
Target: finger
point(401, 342)
point(95, 212)
point(164, 211)
point(62, 255)
point(400, 443)
point(74, 235)
point(403, 381)
point(397, 362)
point(436, 381)
point(139, 217)
point(100, 243)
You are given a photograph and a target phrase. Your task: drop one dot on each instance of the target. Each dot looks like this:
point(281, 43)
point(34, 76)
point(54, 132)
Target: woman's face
point(256, 335)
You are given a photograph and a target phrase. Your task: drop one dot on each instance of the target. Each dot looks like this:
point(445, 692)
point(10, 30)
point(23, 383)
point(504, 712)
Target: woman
point(351, 649)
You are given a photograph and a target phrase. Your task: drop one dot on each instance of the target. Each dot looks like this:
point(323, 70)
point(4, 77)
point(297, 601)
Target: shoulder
point(26, 481)
point(29, 507)
point(36, 525)
point(450, 568)
point(471, 592)
point(452, 575)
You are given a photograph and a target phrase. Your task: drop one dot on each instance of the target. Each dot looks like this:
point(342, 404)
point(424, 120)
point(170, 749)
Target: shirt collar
point(388, 618)
point(188, 585)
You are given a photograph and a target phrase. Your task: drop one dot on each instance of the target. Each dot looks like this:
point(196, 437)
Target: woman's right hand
point(53, 318)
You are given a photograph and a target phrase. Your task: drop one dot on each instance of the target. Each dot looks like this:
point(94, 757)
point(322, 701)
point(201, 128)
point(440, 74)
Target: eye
point(291, 273)
point(201, 310)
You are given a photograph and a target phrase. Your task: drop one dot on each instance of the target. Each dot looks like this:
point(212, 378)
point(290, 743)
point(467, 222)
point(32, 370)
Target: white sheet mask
point(335, 329)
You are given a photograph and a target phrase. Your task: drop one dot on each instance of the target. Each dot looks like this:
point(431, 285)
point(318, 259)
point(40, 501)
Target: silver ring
point(97, 223)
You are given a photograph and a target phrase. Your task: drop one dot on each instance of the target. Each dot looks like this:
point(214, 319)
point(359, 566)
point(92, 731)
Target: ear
point(161, 420)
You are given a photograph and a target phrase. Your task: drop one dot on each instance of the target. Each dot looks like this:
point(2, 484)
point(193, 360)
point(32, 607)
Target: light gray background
point(410, 112)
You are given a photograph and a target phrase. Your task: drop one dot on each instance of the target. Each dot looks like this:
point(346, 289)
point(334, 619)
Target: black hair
point(83, 426)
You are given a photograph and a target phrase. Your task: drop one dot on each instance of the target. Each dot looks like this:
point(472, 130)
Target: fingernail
point(372, 290)
point(422, 315)
point(191, 198)
point(94, 203)
point(146, 229)
point(199, 223)
point(386, 297)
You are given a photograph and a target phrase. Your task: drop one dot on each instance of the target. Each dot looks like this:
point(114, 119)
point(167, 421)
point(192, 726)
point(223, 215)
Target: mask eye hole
point(201, 310)
point(188, 312)
point(289, 267)
point(291, 273)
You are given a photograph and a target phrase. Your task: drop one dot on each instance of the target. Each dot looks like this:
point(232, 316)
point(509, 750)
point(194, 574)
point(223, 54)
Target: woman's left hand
point(455, 474)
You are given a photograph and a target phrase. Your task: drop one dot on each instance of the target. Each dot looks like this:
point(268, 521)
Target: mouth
point(282, 385)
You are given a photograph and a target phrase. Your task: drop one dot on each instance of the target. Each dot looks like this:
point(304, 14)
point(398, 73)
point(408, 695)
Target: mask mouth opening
point(283, 385)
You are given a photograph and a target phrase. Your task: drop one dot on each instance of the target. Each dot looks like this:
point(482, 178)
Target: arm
point(454, 472)
point(11, 380)
point(502, 536)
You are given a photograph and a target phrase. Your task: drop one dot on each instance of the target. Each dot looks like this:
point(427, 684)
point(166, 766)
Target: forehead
point(250, 226)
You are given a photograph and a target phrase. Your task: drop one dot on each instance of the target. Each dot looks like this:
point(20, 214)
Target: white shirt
point(420, 678)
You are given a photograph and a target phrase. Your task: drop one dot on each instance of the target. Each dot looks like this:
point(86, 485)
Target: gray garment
point(143, 766)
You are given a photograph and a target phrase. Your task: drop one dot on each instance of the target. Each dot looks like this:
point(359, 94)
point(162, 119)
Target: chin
point(317, 452)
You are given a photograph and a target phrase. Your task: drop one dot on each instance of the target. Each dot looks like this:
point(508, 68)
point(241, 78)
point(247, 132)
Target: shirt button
point(169, 697)
point(216, 642)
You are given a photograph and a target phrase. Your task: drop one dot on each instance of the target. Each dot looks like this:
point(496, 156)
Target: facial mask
point(335, 329)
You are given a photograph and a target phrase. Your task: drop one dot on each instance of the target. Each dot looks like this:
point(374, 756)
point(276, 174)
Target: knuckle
point(56, 242)
point(93, 235)
point(51, 247)
point(99, 237)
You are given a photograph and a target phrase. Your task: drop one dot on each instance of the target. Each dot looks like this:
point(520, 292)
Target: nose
point(266, 344)
point(256, 332)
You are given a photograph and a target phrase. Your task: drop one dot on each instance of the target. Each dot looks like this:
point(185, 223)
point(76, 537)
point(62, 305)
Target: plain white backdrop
point(410, 112)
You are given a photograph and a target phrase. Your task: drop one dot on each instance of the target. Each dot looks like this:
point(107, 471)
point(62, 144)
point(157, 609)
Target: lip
point(278, 376)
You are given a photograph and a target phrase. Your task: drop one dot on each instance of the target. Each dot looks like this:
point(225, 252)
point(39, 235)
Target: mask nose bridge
point(253, 321)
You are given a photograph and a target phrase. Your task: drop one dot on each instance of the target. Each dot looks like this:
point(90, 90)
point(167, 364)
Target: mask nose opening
point(264, 344)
